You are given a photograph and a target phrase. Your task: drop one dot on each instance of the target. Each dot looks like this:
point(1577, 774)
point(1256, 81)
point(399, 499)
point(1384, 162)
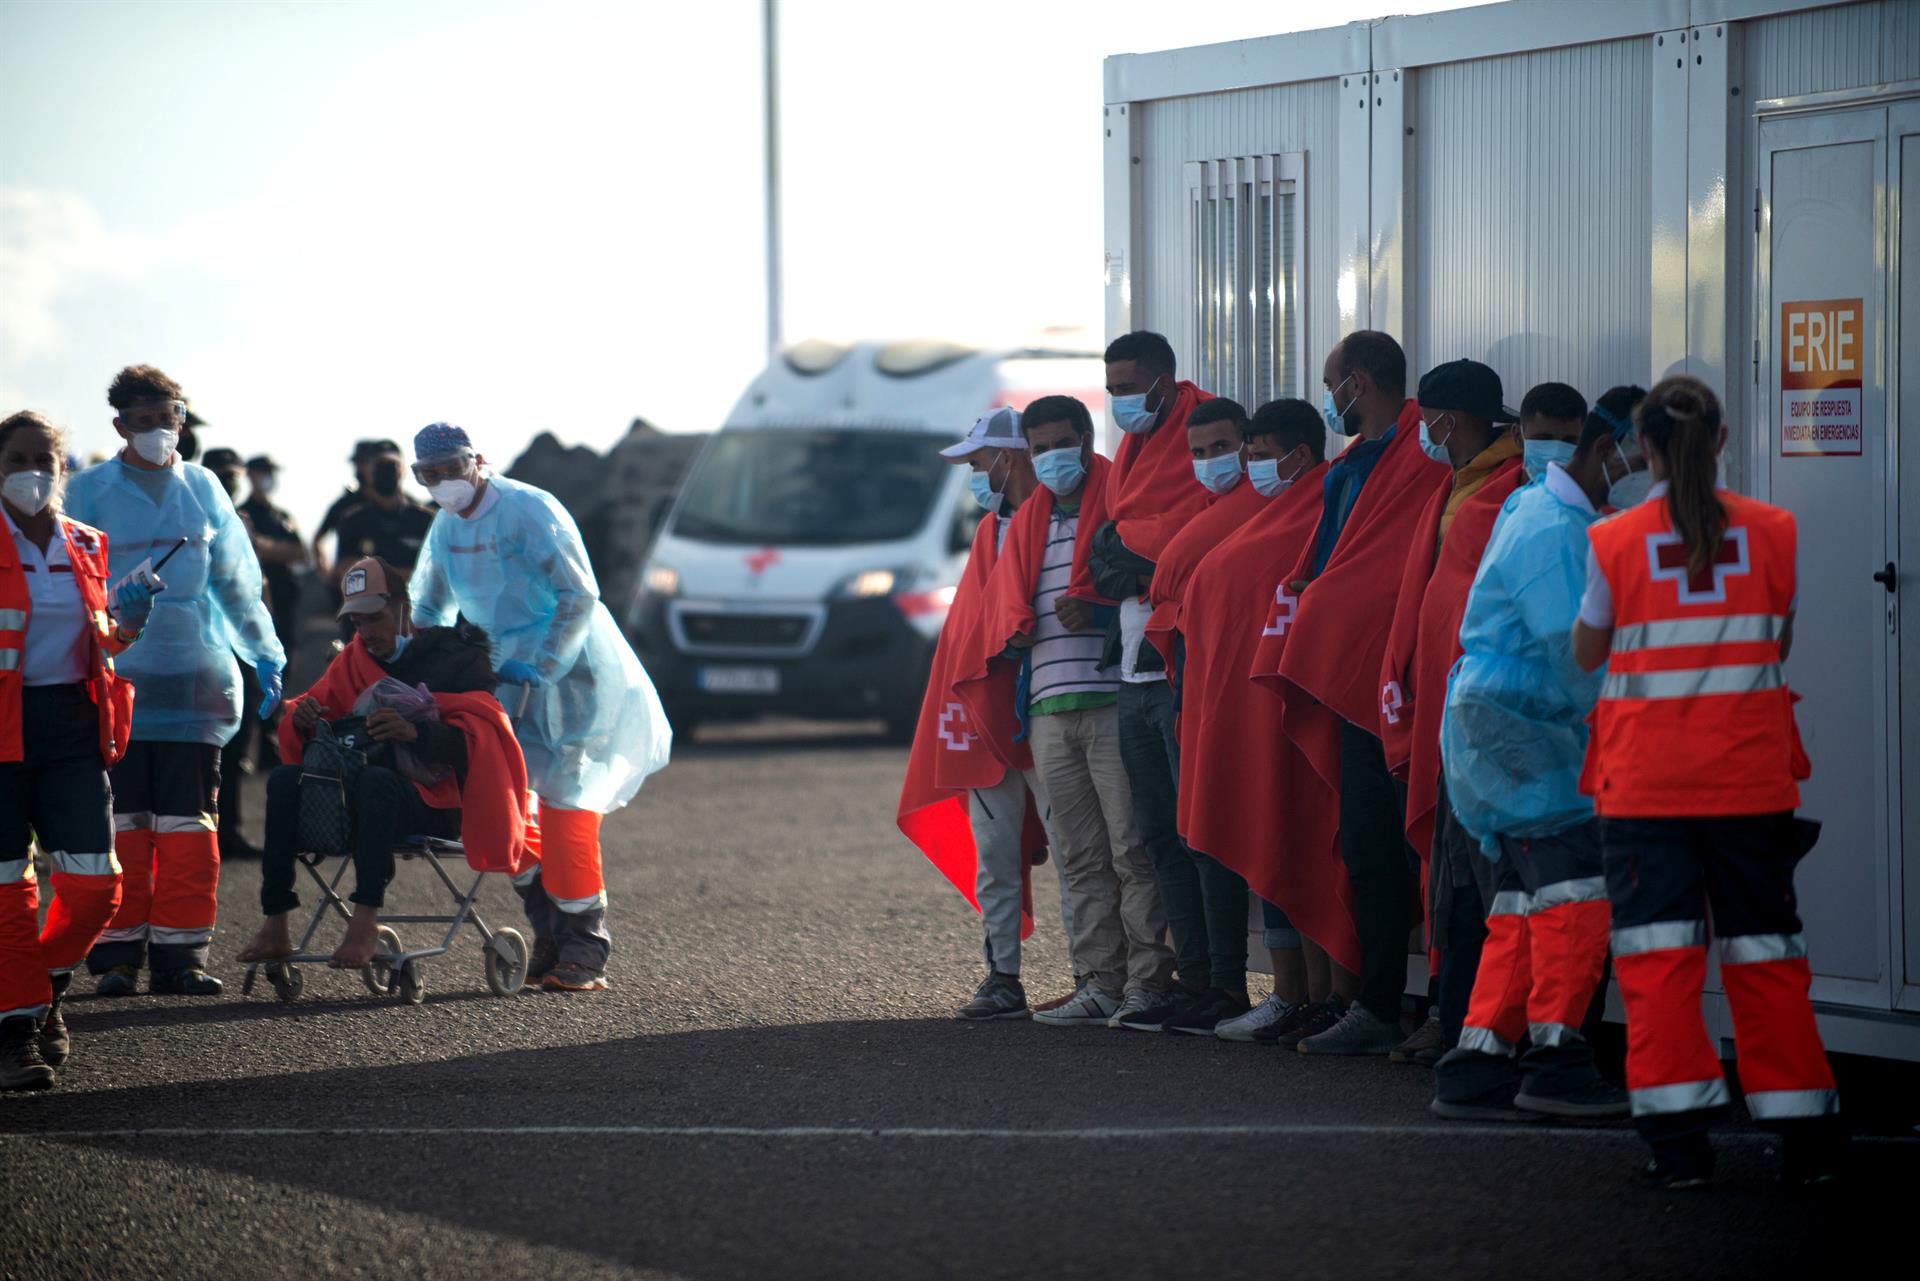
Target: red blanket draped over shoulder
point(953, 751)
point(1184, 552)
point(1425, 641)
point(494, 808)
point(1248, 796)
point(1322, 649)
point(1151, 493)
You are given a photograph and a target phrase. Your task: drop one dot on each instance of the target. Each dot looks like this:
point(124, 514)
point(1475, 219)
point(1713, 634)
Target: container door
point(1904, 154)
point(1827, 457)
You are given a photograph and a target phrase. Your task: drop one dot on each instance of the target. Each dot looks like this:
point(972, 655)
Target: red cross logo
point(1285, 603)
point(953, 728)
point(1667, 560)
point(758, 562)
point(1391, 701)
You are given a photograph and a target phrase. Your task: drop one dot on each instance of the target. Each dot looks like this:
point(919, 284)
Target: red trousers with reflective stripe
point(81, 908)
point(1539, 968)
point(570, 857)
point(23, 975)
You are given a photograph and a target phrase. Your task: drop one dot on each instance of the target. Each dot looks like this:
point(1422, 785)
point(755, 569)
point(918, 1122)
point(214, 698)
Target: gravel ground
point(775, 1087)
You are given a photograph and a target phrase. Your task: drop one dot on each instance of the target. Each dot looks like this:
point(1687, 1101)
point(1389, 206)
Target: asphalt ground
point(775, 1087)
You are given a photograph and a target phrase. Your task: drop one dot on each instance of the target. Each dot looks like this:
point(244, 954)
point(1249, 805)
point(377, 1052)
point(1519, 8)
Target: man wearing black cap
point(383, 520)
point(277, 542)
point(362, 458)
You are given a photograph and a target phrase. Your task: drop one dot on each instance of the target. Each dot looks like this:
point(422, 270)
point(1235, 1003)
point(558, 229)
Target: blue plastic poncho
point(186, 684)
point(593, 729)
point(1514, 733)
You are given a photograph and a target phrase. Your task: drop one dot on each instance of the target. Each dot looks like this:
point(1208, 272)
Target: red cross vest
point(87, 556)
point(1695, 718)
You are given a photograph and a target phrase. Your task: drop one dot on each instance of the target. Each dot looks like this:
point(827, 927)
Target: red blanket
point(1152, 492)
point(1184, 552)
point(1248, 797)
point(951, 753)
point(494, 805)
point(1323, 648)
point(1425, 641)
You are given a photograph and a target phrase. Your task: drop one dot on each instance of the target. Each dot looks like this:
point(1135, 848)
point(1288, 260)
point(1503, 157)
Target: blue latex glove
point(133, 603)
point(515, 672)
point(269, 674)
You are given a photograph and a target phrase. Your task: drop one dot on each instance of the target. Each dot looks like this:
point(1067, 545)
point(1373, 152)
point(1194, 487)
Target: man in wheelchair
point(429, 762)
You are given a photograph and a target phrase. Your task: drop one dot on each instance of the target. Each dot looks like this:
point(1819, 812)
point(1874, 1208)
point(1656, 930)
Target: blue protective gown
point(594, 729)
point(1515, 729)
point(186, 684)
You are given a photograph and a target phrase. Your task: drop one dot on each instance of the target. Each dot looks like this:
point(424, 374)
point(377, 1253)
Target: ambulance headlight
point(662, 580)
point(870, 583)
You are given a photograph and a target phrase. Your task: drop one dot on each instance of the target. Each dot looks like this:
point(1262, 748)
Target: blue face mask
point(1130, 413)
point(981, 483)
point(1436, 449)
point(1218, 474)
point(1264, 475)
point(1331, 412)
point(1539, 453)
point(1060, 470)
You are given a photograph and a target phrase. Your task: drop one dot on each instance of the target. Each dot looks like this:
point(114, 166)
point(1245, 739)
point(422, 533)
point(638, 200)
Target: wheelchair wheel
point(287, 980)
point(376, 973)
point(506, 961)
point(413, 984)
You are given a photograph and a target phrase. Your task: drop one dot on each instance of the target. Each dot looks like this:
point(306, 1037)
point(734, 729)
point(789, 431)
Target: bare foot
point(361, 942)
point(270, 942)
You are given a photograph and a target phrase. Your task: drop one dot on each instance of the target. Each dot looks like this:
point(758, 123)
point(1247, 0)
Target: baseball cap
point(217, 458)
point(365, 588)
point(261, 462)
point(1468, 387)
point(996, 429)
point(365, 449)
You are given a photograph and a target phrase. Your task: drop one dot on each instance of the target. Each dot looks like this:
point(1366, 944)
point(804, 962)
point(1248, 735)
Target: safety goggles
point(154, 415)
point(452, 467)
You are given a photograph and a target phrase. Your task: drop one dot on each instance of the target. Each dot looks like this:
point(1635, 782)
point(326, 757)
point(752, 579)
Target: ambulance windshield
point(806, 487)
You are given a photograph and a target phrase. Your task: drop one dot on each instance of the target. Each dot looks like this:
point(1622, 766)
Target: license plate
point(740, 680)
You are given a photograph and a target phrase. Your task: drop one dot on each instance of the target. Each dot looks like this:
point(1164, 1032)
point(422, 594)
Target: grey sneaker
point(1000, 997)
point(1136, 1003)
point(1265, 1014)
point(1360, 1032)
point(1424, 1047)
point(1087, 1007)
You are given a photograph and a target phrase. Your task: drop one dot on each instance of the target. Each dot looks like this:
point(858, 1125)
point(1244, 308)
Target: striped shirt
point(1065, 664)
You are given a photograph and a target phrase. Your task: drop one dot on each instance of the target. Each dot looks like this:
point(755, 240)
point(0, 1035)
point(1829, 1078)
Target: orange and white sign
point(1821, 358)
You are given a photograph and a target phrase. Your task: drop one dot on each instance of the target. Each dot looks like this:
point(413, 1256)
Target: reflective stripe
point(37, 1011)
point(1585, 889)
point(1553, 1034)
point(578, 905)
point(164, 934)
point(1751, 949)
point(124, 934)
point(64, 969)
point(1691, 682)
point(1482, 1041)
point(1782, 1105)
point(85, 864)
point(184, 823)
point(527, 877)
point(13, 620)
point(15, 870)
point(1509, 903)
point(1631, 940)
point(1689, 1096)
point(9, 660)
point(133, 821)
point(1726, 629)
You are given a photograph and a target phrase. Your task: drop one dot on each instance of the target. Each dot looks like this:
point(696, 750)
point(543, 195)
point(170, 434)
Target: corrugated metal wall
point(1532, 237)
point(1220, 126)
point(1824, 49)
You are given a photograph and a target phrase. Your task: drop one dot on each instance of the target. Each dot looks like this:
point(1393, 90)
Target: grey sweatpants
point(998, 816)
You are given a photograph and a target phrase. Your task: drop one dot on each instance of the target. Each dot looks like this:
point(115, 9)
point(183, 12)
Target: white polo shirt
point(56, 648)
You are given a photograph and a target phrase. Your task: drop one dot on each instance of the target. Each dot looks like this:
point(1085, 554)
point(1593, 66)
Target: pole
point(770, 98)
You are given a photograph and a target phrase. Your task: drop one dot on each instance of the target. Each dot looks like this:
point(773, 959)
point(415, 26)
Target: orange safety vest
point(87, 555)
point(1695, 718)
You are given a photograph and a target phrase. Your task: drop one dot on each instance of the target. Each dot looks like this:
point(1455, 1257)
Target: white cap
point(998, 429)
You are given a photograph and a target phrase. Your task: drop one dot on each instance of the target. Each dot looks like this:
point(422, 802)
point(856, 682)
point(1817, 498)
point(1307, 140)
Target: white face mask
point(28, 491)
point(453, 495)
point(266, 484)
point(156, 446)
point(1630, 490)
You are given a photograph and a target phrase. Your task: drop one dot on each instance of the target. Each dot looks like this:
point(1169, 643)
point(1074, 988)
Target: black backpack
point(335, 755)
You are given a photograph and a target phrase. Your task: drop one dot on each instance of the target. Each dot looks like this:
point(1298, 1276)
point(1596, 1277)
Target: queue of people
point(504, 706)
point(1498, 692)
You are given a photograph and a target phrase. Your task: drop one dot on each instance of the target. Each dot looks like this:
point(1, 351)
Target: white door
point(1825, 453)
point(1904, 187)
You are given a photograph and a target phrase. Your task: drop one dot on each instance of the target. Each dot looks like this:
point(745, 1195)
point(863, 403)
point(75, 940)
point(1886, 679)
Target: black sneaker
point(1596, 1100)
point(1219, 1006)
point(999, 997)
point(1813, 1160)
point(1684, 1164)
point(1154, 1017)
point(541, 960)
point(21, 1067)
point(55, 1044)
point(1495, 1105)
point(192, 981)
point(1303, 1020)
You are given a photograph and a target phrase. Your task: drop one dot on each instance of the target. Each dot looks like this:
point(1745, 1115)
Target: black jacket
point(447, 660)
point(1117, 571)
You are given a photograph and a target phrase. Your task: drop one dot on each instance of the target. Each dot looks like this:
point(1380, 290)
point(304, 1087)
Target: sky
point(337, 220)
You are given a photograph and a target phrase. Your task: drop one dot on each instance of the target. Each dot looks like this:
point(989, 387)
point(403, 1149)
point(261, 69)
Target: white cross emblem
point(953, 728)
point(1285, 603)
point(1391, 701)
point(1667, 559)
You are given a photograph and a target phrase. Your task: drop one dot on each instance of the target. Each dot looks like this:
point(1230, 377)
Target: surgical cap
point(439, 440)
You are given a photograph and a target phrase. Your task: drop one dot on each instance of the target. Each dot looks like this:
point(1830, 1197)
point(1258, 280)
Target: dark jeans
point(1205, 903)
point(58, 791)
point(1373, 845)
point(385, 807)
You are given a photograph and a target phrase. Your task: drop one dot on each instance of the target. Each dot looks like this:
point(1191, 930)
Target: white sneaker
point(1085, 1008)
point(1136, 1001)
point(1265, 1014)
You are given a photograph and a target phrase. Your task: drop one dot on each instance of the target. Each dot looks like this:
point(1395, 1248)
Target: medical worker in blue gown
point(508, 558)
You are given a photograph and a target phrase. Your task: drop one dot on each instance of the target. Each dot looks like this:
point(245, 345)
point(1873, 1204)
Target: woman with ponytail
point(1694, 767)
